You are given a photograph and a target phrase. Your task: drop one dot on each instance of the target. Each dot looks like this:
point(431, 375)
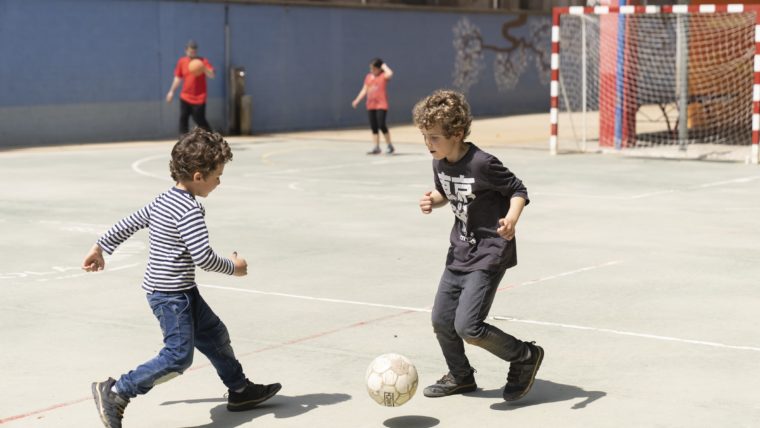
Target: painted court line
point(560, 275)
point(404, 308)
point(136, 167)
point(721, 183)
point(316, 299)
point(629, 333)
point(409, 309)
point(45, 410)
point(653, 193)
point(330, 167)
point(206, 365)
point(699, 186)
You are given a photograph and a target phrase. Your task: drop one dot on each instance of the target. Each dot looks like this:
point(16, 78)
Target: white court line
point(332, 167)
point(498, 318)
point(649, 194)
point(77, 275)
point(720, 183)
point(317, 299)
point(505, 318)
point(337, 180)
point(572, 272)
point(380, 305)
point(698, 186)
point(629, 333)
point(136, 167)
point(646, 195)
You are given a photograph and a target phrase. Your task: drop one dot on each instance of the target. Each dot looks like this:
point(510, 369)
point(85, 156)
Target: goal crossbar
point(557, 89)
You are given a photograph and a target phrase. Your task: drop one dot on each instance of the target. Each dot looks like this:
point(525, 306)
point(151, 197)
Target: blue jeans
point(187, 322)
point(460, 309)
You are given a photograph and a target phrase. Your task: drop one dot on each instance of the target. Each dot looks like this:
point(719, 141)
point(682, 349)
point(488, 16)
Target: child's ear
point(197, 176)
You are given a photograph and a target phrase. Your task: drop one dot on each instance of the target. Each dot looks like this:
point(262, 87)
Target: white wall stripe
point(756, 122)
point(626, 10)
point(680, 8)
point(757, 33)
point(652, 9)
point(735, 8)
point(553, 114)
point(576, 10)
point(756, 92)
point(555, 61)
point(554, 88)
point(555, 33)
point(707, 8)
point(755, 154)
point(757, 63)
point(601, 10)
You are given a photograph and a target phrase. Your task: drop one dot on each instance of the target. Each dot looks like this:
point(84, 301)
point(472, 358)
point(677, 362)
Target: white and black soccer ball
point(391, 380)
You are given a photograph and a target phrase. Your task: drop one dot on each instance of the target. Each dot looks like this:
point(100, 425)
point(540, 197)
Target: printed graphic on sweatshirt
point(459, 193)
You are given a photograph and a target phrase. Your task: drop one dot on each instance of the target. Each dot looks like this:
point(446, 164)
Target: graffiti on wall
point(512, 55)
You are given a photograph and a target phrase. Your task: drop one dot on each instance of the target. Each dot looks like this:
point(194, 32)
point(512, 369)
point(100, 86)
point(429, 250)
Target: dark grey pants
point(460, 309)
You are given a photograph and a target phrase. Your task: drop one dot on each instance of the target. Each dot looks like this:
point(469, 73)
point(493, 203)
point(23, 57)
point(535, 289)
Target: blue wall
point(98, 70)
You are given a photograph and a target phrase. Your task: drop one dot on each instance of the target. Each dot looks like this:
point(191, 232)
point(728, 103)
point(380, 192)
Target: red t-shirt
point(194, 87)
point(377, 98)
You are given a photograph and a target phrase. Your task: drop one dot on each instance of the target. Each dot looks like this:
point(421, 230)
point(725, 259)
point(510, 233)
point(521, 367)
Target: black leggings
point(377, 120)
point(198, 111)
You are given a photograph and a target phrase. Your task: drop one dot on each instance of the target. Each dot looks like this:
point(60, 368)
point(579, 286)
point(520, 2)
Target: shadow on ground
point(411, 421)
point(281, 406)
point(543, 391)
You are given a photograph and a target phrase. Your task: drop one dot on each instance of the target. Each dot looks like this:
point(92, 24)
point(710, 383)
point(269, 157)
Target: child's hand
point(241, 266)
point(507, 228)
point(426, 203)
point(94, 261)
point(354, 103)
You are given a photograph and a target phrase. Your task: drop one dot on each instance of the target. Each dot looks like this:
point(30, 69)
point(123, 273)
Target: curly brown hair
point(446, 108)
point(198, 151)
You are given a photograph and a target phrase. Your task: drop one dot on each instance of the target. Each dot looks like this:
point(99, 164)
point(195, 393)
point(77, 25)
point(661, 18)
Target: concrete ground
point(637, 276)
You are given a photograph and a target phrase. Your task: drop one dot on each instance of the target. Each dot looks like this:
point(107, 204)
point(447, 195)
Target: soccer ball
point(391, 380)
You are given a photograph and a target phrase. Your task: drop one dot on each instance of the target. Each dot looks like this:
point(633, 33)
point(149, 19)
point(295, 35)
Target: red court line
point(46, 409)
point(267, 348)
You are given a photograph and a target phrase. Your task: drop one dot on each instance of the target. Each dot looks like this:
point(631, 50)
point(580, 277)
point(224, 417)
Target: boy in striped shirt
point(178, 243)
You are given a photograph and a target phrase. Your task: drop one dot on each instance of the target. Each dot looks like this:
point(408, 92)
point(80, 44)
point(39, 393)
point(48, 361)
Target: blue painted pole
point(619, 75)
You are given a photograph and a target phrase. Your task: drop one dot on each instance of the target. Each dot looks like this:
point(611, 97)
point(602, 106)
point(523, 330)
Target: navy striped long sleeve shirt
point(178, 241)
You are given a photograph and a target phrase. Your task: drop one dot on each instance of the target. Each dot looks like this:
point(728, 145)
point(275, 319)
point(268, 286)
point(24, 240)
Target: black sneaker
point(390, 149)
point(253, 395)
point(110, 404)
point(448, 385)
point(522, 374)
point(375, 151)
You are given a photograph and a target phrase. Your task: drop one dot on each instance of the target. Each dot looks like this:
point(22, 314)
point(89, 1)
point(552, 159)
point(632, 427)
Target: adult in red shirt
point(377, 102)
point(193, 96)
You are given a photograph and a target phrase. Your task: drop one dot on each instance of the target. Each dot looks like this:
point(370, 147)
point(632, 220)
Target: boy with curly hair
point(179, 242)
point(487, 200)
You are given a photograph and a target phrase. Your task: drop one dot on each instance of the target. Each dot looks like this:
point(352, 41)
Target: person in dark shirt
point(487, 200)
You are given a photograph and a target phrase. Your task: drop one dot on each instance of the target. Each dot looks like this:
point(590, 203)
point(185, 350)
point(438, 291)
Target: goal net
point(664, 81)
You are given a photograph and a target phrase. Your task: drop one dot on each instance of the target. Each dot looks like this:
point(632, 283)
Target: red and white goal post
point(669, 81)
